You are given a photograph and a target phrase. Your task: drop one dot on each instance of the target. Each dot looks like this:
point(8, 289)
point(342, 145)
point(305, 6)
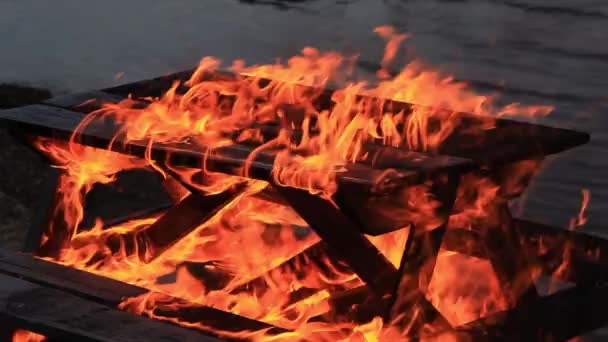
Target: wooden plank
point(173, 225)
point(545, 247)
point(594, 247)
point(100, 289)
point(559, 317)
point(60, 124)
point(63, 316)
point(381, 157)
point(389, 157)
point(507, 142)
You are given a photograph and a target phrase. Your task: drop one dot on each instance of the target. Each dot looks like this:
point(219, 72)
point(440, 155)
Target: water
point(550, 52)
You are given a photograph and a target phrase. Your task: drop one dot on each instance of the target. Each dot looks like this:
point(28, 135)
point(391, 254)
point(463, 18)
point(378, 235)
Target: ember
point(372, 212)
point(27, 336)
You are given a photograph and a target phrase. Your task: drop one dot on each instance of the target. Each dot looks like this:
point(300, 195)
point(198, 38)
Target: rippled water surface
point(531, 51)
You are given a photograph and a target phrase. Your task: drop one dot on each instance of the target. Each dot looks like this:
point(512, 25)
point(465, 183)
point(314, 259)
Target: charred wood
point(104, 292)
point(62, 316)
point(507, 141)
point(340, 233)
point(177, 222)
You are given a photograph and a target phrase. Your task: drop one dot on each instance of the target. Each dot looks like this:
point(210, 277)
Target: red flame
point(581, 218)
point(27, 336)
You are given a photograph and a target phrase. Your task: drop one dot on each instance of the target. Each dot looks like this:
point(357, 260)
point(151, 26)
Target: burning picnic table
point(304, 211)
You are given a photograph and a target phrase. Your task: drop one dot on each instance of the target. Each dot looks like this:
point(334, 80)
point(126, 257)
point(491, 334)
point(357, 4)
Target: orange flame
point(250, 237)
point(567, 254)
point(581, 218)
point(464, 288)
point(84, 167)
point(393, 39)
point(27, 336)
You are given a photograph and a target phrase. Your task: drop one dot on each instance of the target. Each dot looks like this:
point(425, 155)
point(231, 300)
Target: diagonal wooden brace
point(418, 263)
point(177, 222)
point(338, 239)
point(183, 218)
point(341, 234)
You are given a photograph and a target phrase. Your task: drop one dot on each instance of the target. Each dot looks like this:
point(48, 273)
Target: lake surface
point(546, 52)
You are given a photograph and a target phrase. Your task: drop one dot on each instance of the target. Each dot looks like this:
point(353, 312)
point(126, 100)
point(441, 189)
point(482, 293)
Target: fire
point(84, 167)
point(581, 218)
point(393, 40)
point(475, 278)
point(313, 144)
point(566, 259)
point(27, 336)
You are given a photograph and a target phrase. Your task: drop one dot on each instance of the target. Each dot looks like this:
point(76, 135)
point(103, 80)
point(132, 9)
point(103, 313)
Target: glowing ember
point(313, 144)
point(581, 218)
point(27, 336)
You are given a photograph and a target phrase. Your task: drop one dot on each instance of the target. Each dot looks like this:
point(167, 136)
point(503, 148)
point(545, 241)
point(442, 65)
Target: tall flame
point(581, 218)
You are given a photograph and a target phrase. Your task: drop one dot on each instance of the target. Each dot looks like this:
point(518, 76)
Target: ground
point(21, 171)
